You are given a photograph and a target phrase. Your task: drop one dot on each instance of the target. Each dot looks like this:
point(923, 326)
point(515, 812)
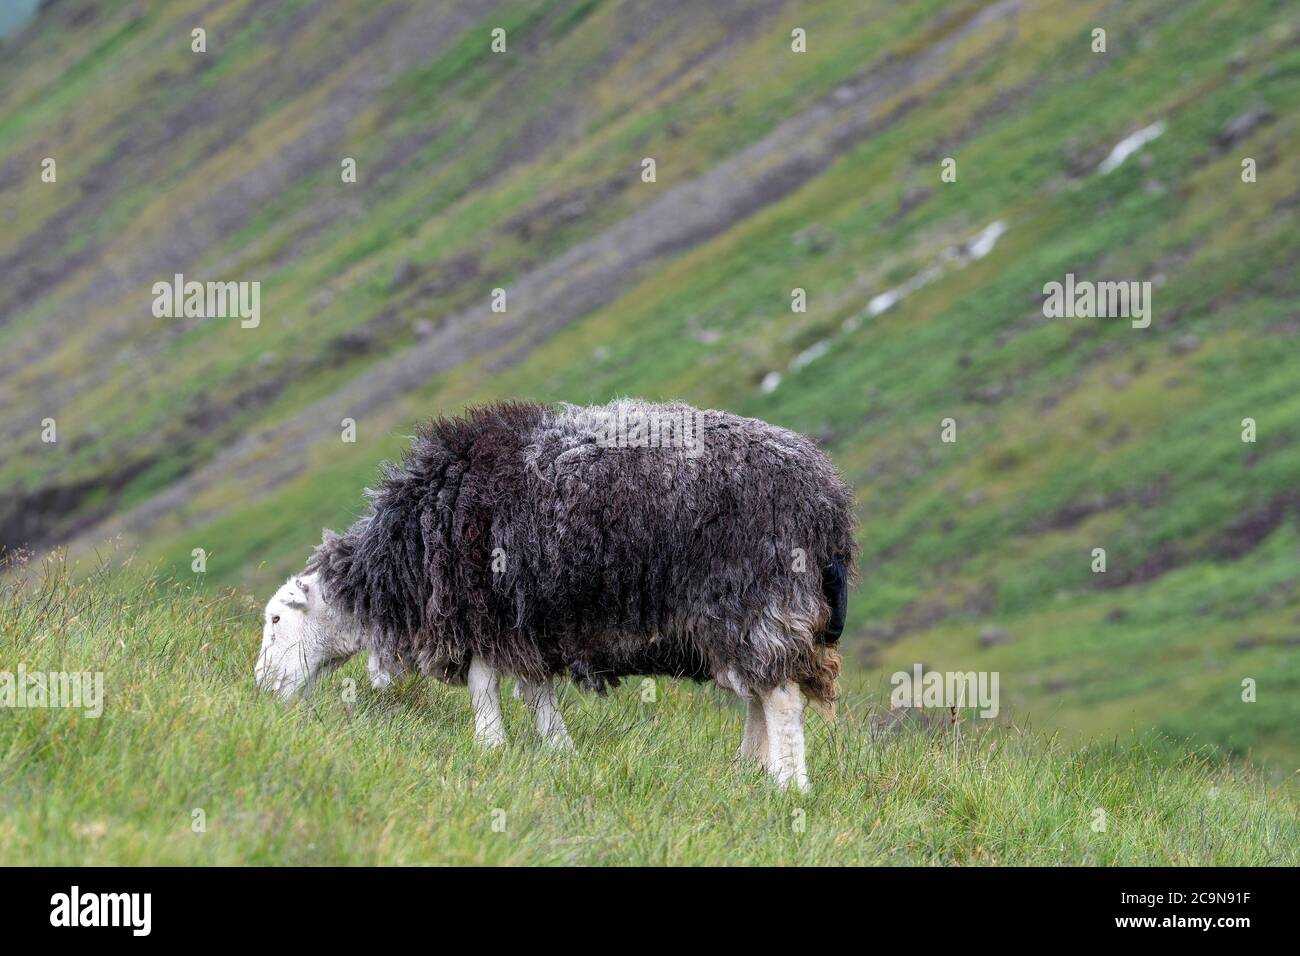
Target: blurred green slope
point(521, 171)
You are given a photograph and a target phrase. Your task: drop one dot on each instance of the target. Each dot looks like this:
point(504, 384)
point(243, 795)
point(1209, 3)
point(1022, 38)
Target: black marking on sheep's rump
point(835, 588)
point(613, 561)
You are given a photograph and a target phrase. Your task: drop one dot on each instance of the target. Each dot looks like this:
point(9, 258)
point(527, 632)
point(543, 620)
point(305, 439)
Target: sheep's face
point(298, 638)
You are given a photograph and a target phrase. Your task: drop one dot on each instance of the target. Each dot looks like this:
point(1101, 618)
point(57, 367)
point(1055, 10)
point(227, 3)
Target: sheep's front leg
point(540, 698)
point(753, 745)
point(380, 679)
point(489, 729)
point(783, 712)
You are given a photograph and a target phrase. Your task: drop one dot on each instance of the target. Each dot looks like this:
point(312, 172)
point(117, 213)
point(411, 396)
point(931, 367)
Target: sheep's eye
point(275, 619)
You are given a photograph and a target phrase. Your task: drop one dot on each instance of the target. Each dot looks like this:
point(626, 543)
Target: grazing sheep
point(588, 543)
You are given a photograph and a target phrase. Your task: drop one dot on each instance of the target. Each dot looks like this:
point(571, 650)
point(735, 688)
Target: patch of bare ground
point(1252, 527)
point(35, 518)
point(1077, 510)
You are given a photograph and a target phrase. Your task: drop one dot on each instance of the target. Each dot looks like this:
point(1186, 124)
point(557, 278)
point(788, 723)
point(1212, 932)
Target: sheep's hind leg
point(753, 744)
point(783, 711)
point(489, 729)
point(540, 698)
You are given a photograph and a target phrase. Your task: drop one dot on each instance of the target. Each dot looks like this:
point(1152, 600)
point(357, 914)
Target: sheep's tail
point(835, 587)
point(822, 686)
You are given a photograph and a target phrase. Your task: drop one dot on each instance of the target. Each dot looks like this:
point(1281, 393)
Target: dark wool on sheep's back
point(612, 562)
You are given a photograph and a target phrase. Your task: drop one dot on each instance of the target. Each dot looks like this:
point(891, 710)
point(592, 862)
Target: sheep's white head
point(300, 637)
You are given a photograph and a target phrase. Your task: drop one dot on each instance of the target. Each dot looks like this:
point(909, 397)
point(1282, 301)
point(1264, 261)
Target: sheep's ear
point(297, 582)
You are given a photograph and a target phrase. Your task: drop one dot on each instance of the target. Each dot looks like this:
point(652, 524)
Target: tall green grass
point(363, 778)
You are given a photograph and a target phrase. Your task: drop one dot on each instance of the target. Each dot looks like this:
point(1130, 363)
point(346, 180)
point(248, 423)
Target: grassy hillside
point(775, 170)
point(366, 778)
